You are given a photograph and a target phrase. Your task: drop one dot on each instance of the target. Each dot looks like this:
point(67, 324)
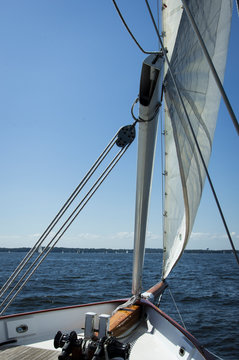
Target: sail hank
point(185, 172)
point(150, 85)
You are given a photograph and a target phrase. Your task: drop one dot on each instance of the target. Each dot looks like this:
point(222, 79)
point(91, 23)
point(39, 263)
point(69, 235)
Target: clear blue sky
point(69, 73)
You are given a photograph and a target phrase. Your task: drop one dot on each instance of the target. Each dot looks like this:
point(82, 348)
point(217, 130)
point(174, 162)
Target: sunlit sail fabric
point(171, 15)
point(184, 172)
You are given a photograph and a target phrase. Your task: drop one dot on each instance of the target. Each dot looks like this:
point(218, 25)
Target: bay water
point(205, 287)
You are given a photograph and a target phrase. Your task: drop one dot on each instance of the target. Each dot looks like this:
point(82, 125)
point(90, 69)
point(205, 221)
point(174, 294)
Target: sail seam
point(197, 115)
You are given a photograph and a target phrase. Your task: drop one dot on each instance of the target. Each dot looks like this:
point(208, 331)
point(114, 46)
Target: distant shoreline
point(106, 250)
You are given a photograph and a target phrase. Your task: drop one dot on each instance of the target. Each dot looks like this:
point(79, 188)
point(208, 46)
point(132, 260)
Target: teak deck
point(27, 353)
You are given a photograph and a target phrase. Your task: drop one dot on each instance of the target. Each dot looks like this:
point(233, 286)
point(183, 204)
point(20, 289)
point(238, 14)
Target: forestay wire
point(123, 138)
point(179, 314)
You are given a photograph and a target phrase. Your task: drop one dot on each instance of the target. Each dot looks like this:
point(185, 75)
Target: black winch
point(74, 348)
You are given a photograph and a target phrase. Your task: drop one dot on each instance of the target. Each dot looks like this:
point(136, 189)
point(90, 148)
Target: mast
point(150, 85)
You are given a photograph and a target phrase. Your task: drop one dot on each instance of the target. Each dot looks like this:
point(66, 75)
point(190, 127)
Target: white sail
point(171, 15)
point(184, 172)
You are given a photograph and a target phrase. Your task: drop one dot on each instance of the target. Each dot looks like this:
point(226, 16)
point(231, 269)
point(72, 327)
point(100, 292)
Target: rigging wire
point(38, 263)
point(139, 119)
point(179, 314)
point(194, 136)
point(33, 267)
point(213, 70)
point(130, 32)
point(58, 216)
point(62, 230)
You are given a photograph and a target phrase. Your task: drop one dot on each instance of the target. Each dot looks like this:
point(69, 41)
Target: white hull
point(155, 336)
